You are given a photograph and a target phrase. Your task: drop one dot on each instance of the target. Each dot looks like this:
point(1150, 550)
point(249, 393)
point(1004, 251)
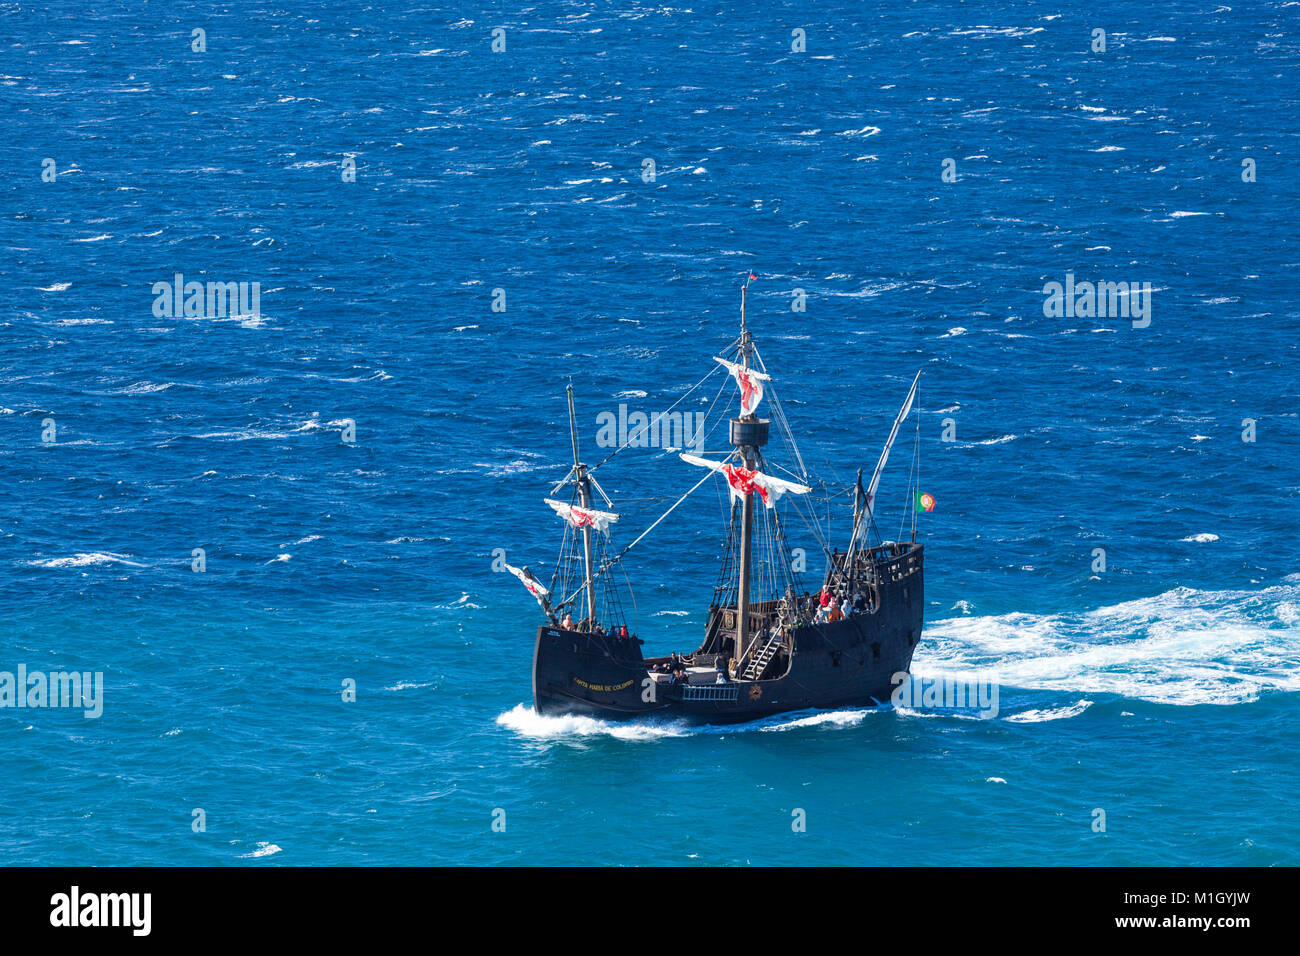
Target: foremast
point(583, 483)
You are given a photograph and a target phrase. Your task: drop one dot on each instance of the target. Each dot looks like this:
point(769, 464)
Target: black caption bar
point(336, 905)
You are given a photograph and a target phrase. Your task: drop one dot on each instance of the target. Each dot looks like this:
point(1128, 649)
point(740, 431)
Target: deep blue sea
point(1162, 690)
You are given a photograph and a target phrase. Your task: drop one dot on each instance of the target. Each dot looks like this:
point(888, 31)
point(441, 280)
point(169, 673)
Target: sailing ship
point(770, 644)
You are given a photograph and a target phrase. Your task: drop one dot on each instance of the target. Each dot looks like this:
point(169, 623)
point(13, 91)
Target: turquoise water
point(1161, 690)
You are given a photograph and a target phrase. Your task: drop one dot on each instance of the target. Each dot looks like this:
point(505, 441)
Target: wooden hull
point(851, 663)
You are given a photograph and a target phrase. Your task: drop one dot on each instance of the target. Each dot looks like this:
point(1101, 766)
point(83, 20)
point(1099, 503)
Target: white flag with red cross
point(742, 481)
point(534, 586)
point(580, 517)
point(750, 382)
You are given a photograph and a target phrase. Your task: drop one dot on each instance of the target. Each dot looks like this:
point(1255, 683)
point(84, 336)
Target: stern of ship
point(593, 675)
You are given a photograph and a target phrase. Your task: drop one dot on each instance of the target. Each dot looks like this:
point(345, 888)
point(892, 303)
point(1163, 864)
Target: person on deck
point(567, 623)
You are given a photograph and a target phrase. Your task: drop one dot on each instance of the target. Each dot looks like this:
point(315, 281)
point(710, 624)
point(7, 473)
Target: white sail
point(534, 586)
point(750, 382)
point(742, 481)
point(884, 454)
point(581, 517)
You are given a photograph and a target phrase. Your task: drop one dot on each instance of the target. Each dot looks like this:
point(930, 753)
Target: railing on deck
point(710, 691)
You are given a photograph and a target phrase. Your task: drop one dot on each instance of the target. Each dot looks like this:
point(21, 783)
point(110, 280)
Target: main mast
point(584, 499)
point(749, 433)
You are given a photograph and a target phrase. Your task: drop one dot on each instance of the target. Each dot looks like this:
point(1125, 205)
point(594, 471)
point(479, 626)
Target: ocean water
point(1162, 690)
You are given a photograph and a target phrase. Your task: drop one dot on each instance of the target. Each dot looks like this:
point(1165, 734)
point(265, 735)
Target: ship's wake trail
point(1180, 647)
point(526, 722)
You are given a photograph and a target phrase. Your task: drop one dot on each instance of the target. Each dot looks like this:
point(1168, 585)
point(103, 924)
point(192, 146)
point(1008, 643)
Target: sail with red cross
point(580, 517)
point(742, 481)
point(527, 580)
point(750, 382)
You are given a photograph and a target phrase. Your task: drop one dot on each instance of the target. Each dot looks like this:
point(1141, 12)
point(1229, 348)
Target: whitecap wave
point(1052, 713)
point(528, 723)
point(85, 560)
point(461, 602)
point(1180, 647)
point(826, 718)
point(573, 728)
point(263, 849)
point(144, 388)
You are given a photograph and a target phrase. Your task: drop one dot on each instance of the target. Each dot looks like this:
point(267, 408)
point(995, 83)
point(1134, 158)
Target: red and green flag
point(924, 502)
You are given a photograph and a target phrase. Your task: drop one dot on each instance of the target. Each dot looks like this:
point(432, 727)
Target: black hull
point(851, 663)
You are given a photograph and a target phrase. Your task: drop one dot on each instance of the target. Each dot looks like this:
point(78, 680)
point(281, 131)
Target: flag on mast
point(583, 517)
point(742, 481)
point(750, 382)
point(534, 586)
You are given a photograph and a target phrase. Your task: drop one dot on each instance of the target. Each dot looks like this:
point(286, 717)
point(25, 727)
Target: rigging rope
point(605, 566)
point(655, 420)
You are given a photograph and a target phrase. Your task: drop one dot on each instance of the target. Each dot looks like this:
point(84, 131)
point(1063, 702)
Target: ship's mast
point(584, 499)
point(748, 434)
point(850, 559)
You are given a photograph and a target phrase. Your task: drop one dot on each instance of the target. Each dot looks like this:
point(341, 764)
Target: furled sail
point(750, 382)
point(581, 517)
point(534, 586)
point(742, 481)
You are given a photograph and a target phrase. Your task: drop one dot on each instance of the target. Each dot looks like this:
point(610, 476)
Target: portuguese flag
point(924, 502)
